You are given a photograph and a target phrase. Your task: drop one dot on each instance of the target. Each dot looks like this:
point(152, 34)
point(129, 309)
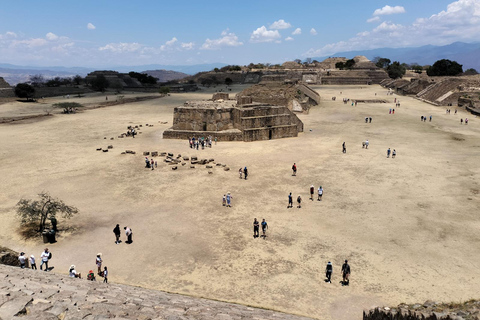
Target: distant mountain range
point(467, 54)
point(14, 74)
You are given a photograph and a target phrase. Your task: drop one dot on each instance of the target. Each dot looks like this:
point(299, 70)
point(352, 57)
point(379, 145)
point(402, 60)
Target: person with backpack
point(346, 273)
point(290, 201)
point(116, 231)
point(128, 233)
point(45, 256)
point(91, 276)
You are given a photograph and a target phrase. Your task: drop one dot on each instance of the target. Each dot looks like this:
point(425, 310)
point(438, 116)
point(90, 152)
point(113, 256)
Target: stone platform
point(35, 294)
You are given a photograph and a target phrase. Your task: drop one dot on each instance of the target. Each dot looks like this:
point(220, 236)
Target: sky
point(102, 33)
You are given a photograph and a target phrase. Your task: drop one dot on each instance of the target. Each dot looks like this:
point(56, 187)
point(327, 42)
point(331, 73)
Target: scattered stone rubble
point(30, 294)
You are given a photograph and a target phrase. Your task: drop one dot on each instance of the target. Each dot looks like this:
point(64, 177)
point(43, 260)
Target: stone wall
point(33, 295)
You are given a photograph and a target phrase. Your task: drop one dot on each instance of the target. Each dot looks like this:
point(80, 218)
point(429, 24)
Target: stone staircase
point(436, 91)
point(32, 294)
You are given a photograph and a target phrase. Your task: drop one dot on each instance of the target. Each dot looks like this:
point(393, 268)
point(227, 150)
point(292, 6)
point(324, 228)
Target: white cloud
point(459, 22)
point(389, 10)
point(90, 26)
point(374, 19)
point(51, 36)
point(313, 32)
point(263, 35)
point(280, 24)
point(170, 42)
point(121, 47)
point(289, 39)
point(228, 39)
point(187, 46)
point(297, 31)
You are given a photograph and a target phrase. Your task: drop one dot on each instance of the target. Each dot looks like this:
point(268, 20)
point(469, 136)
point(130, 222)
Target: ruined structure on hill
point(6, 91)
point(115, 79)
point(440, 91)
point(233, 120)
point(297, 97)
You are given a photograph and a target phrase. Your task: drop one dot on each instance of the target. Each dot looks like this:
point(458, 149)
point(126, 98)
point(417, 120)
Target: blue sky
point(103, 33)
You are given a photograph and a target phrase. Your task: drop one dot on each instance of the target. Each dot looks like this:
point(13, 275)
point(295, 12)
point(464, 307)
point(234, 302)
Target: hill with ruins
point(165, 75)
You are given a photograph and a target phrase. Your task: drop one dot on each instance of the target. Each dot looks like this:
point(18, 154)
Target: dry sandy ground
point(409, 226)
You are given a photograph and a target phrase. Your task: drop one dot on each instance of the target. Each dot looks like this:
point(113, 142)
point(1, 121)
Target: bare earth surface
point(409, 226)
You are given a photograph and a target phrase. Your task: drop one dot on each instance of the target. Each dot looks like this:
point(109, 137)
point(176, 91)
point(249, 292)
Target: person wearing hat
point(99, 262)
point(45, 256)
point(229, 199)
point(22, 260)
point(91, 276)
point(73, 273)
point(32, 262)
point(328, 272)
point(346, 273)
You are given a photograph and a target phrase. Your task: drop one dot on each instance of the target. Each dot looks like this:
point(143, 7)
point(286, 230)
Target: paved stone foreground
point(30, 294)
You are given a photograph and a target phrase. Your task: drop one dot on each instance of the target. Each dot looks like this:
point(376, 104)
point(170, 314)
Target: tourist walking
point(240, 172)
point(344, 147)
point(312, 191)
point(346, 273)
point(116, 231)
point(245, 173)
point(294, 169)
point(430, 119)
point(320, 193)
point(224, 200)
point(45, 256)
point(105, 275)
point(290, 201)
point(388, 153)
point(33, 265)
point(328, 272)
point(128, 233)
point(98, 261)
point(394, 153)
point(264, 228)
point(366, 144)
point(299, 201)
point(22, 260)
point(256, 226)
point(229, 199)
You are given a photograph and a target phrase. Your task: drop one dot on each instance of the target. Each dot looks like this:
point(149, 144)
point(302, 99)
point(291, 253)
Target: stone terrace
point(31, 294)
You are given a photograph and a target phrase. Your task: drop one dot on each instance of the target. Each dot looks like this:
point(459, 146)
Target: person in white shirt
point(45, 256)
point(320, 193)
point(73, 273)
point(128, 233)
point(32, 262)
point(22, 260)
point(99, 262)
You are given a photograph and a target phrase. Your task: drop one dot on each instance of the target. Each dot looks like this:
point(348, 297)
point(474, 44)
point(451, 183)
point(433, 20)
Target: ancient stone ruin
point(231, 120)
point(6, 91)
point(115, 78)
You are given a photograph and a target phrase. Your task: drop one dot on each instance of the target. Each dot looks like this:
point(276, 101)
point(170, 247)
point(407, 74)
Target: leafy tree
point(77, 79)
point(216, 69)
point(445, 67)
point(235, 68)
point(417, 68)
point(228, 81)
point(470, 72)
point(38, 211)
point(37, 80)
point(100, 83)
point(298, 61)
point(396, 70)
point(349, 64)
point(164, 90)
point(340, 65)
point(143, 77)
point(24, 90)
point(381, 62)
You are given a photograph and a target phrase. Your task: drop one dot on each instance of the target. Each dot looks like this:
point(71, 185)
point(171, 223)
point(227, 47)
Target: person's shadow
point(49, 269)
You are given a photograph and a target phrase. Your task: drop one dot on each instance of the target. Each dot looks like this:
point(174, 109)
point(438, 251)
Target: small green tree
point(164, 90)
point(349, 64)
point(77, 80)
point(24, 90)
point(228, 81)
point(470, 72)
point(38, 211)
point(340, 65)
point(100, 83)
point(382, 63)
point(396, 70)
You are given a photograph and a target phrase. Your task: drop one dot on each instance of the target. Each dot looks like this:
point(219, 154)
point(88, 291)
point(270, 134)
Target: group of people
point(299, 197)
point(73, 273)
point(394, 153)
point(345, 273)
point(466, 121)
point(391, 111)
point(368, 119)
point(243, 172)
point(150, 164)
point(45, 256)
point(128, 233)
point(256, 228)
point(227, 200)
point(195, 143)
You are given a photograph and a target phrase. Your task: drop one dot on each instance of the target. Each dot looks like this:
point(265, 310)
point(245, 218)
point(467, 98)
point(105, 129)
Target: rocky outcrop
point(6, 91)
point(32, 294)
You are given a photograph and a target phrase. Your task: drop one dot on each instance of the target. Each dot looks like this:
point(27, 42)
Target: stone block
point(174, 168)
point(154, 153)
point(106, 150)
point(110, 147)
point(146, 153)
